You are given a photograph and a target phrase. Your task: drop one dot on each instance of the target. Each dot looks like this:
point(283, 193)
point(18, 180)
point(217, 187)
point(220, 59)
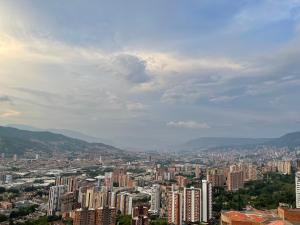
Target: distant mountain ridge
point(290, 140)
point(13, 140)
point(65, 132)
point(213, 142)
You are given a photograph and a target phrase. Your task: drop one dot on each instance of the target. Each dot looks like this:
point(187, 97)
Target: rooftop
point(256, 216)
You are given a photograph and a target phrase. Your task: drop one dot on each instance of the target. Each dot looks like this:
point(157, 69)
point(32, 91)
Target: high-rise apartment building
point(155, 199)
point(206, 201)
point(54, 202)
point(69, 181)
point(175, 207)
point(192, 205)
point(84, 216)
point(297, 183)
point(67, 202)
point(108, 180)
point(105, 216)
point(216, 177)
point(197, 171)
point(82, 195)
point(250, 171)
point(124, 203)
point(111, 199)
point(140, 215)
point(181, 181)
point(235, 180)
point(284, 167)
point(298, 164)
point(100, 199)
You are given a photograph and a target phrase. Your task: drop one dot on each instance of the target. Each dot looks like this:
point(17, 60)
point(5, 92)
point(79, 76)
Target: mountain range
point(290, 140)
point(65, 132)
point(214, 142)
point(13, 140)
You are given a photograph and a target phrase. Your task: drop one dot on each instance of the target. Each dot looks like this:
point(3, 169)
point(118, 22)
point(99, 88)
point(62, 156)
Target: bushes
point(44, 220)
point(2, 190)
point(159, 222)
point(24, 211)
point(3, 218)
point(124, 220)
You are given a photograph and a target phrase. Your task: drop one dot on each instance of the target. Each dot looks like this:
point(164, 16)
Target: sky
point(150, 74)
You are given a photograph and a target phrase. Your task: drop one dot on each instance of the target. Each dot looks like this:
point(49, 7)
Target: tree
point(2, 190)
point(124, 220)
point(159, 222)
point(3, 218)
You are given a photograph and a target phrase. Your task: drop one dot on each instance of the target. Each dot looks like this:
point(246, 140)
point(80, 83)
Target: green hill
point(16, 141)
point(290, 140)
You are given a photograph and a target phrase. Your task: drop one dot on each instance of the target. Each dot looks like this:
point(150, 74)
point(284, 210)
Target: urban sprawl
point(207, 187)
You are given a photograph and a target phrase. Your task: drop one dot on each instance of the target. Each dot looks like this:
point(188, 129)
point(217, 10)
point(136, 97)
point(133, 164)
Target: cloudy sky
point(151, 73)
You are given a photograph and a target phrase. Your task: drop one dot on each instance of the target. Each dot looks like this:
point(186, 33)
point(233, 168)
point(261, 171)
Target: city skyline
point(151, 74)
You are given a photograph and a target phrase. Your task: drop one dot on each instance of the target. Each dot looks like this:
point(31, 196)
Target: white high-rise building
point(15, 157)
point(55, 193)
point(155, 199)
point(206, 201)
point(8, 179)
point(124, 203)
point(297, 182)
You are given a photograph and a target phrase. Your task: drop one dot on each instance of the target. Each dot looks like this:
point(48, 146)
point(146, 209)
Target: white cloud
point(166, 63)
point(223, 98)
point(188, 124)
point(136, 106)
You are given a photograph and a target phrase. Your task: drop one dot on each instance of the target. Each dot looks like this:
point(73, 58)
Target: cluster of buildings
point(99, 201)
point(190, 206)
point(165, 186)
point(280, 166)
point(233, 177)
point(297, 189)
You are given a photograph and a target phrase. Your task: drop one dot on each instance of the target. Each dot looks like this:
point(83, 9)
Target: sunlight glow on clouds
point(188, 124)
point(10, 113)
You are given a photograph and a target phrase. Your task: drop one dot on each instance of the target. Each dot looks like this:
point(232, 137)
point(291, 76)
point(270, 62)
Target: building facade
point(206, 201)
point(155, 199)
point(140, 215)
point(84, 216)
point(175, 207)
point(54, 201)
point(105, 216)
point(192, 205)
point(297, 183)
